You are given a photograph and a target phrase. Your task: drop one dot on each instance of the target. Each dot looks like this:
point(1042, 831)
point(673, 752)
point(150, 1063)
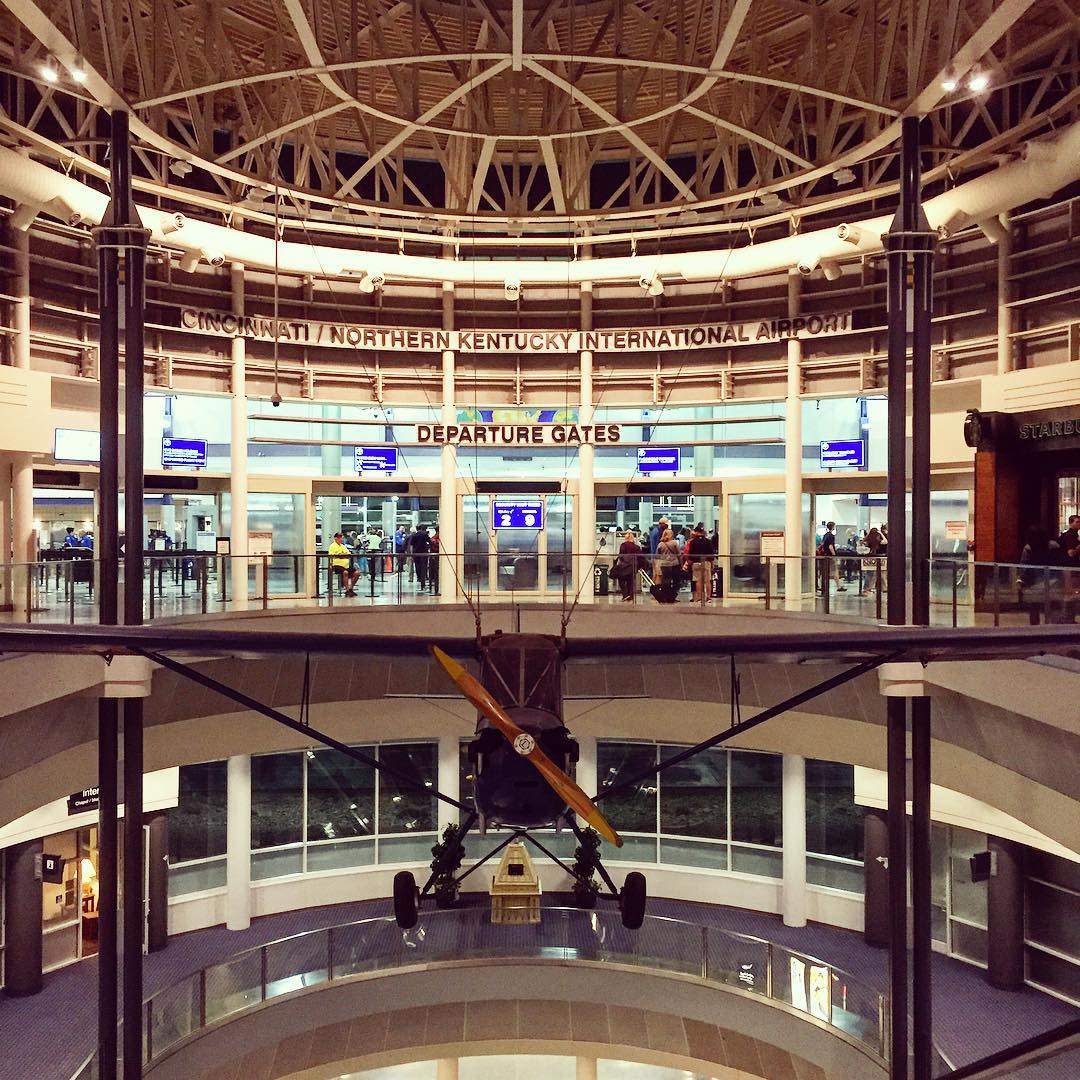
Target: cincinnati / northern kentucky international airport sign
point(341, 335)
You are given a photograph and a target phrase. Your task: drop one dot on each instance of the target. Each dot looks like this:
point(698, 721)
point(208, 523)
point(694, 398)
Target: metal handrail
point(707, 973)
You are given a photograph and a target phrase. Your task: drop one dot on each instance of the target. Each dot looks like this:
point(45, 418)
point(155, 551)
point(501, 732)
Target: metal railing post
point(1046, 595)
point(296, 573)
point(329, 953)
point(29, 592)
point(262, 970)
point(149, 1052)
point(997, 596)
point(152, 593)
point(330, 582)
point(826, 581)
point(202, 997)
point(883, 1028)
point(71, 592)
point(203, 572)
point(769, 970)
point(768, 584)
point(266, 581)
point(955, 595)
point(704, 952)
point(877, 588)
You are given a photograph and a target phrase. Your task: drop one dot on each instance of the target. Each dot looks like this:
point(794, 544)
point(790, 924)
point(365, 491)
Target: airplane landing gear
point(632, 900)
point(406, 900)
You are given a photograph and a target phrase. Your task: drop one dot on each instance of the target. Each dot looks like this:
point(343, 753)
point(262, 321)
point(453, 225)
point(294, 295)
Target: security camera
point(831, 270)
point(377, 281)
point(652, 286)
point(275, 399)
point(807, 266)
point(512, 289)
point(60, 209)
point(214, 258)
point(173, 223)
point(189, 260)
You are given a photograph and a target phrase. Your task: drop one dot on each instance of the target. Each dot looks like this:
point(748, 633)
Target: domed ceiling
point(534, 114)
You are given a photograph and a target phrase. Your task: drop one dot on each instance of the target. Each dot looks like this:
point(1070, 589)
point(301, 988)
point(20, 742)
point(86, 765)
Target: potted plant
point(447, 853)
point(585, 887)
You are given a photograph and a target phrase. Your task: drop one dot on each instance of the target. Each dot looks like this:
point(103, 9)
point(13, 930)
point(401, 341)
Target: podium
point(515, 889)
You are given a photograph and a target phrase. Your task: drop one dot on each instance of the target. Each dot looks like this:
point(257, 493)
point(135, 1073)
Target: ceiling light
point(949, 84)
point(180, 169)
point(978, 82)
point(49, 72)
point(77, 72)
point(844, 175)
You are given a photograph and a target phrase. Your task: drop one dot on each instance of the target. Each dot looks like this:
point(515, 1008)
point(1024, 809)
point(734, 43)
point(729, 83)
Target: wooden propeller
point(528, 747)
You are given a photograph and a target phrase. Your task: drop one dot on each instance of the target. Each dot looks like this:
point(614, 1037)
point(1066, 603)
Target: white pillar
point(5, 533)
point(22, 530)
point(585, 773)
point(1004, 295)
point(20, 308)
point(451, 564)
point(446, 1069)
point(449, 778)
point(238, 844)
point(585, 530)
point(238, 453)
point(586, 1068)
point(793, 460)
point(794, 829)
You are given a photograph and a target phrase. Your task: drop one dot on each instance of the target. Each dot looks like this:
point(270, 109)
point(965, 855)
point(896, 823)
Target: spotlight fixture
point(850, 234)
point(180, 168)
point(978, 81)
point(23, 216)
point(257, 194)
point(652, 286)
point(949, 84)
point(512, 289)
point(275, 399)
point(173, 223)
point(844, 175)
point(77, 72)
point(372, 283)
point(831, 270)
point(189, 260)
point(808, 265)
point(771, 200)
point(49, 71)
point(214, 258)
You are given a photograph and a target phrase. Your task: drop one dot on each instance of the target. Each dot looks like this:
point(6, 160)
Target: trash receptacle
point(601, 581)
point(187, 568)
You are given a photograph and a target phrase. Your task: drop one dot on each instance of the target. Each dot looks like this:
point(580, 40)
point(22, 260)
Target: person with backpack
point(698, 558)
point(827, 550)
point(625, 568)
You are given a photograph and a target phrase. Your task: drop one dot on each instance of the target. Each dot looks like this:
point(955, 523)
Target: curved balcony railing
point(963, 592)
point(799, 984)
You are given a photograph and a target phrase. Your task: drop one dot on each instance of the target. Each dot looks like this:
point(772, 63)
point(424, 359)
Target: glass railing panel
point(662, 944)
point(174, 1014)
point(371, 945)
point(234, 985)
point(856, 1009)
point(297, 962)
point(736, 961)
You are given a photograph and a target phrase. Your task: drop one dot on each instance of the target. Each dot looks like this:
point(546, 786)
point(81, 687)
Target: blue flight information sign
point(183, 453)
point(376, 459)
point(843, 454)
point(518, 514)
point(653, 459)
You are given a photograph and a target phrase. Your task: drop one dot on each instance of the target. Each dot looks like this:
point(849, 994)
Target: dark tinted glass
point(197, 823)
point(277, 790)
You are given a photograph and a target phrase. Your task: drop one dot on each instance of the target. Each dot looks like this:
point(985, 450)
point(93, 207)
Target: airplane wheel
point(632, 900)
point(406, 900)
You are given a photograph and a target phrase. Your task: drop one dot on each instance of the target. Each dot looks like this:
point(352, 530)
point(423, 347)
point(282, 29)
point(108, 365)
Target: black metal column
point(134, 915)
point(1005, 915)
point(875, 877)
point(108, 870)
point(896, 768)
point(922, 912)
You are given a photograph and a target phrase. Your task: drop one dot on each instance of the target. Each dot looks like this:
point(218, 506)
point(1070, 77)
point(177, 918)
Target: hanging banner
point(342, 335)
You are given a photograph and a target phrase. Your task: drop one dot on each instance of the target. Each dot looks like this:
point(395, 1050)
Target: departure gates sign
point(517, 434)
point(413, 339)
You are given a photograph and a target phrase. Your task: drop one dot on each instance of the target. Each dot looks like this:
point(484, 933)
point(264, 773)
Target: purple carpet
point(46, 1037)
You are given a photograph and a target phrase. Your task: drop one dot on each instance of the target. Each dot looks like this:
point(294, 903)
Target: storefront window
point(340, 796)
point(693, 794)
point(408, 807)
point(833, 820)
point(633, 810)
point(197, 825)
point(756, 798)
point(277, 800)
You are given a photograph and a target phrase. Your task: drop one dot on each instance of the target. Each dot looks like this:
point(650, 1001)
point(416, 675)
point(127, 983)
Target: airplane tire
point(632, 900)
point(406, 900)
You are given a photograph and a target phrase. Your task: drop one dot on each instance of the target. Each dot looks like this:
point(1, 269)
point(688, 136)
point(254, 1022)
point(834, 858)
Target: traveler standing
point(698, 559)
point(875, 547)
point(71, 540)
point(668, 560)
point(1069, 542)
point(419, 546)
point(656, 534)
point(340, 565)
point(625, 568)
point(433, 562)
point(399, 547)
point(827, 549)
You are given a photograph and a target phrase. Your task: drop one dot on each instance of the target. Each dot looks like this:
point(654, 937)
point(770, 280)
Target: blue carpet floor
point(46, 1037)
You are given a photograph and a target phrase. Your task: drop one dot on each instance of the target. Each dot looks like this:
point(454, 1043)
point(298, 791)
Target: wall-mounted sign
point(772, 543)
point(74, 444)
point(517, 434)
point(49, 868)
point(843, 454)
point(956, 530)
point(375, 458)
point(82, 801)
point(518, 514)
point(183, 453)
point(412, 339)
point(261, 542)
point(658, 459)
